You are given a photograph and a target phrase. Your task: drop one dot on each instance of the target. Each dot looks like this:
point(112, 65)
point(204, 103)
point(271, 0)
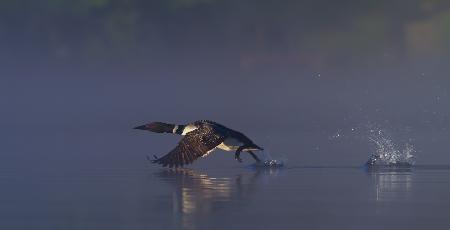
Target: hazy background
point(76, 76)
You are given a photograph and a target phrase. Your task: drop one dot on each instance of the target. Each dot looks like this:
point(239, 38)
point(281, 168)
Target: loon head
point(157, 127)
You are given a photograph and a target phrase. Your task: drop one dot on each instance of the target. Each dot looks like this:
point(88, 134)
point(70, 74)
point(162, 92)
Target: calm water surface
point(239, 197)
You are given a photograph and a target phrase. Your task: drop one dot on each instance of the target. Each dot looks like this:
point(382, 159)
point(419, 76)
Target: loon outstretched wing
point(194, 145)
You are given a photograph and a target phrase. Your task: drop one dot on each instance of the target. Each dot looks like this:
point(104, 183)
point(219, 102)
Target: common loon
point(200, 139)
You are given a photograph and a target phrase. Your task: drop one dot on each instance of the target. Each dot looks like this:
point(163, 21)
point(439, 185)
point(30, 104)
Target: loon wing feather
point(194, 145)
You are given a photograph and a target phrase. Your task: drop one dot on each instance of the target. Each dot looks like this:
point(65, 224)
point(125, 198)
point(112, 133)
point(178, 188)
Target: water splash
point(269, 162)
point(387, 153)
point(273, 163)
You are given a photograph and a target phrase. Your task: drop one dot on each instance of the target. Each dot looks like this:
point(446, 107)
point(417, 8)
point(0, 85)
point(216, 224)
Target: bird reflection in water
point(196, 194)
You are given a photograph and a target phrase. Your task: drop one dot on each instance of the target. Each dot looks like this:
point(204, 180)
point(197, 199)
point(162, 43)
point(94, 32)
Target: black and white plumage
point(200, 139)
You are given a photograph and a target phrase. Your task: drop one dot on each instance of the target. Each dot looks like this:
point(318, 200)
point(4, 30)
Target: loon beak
point(259, 148)
point(141, 127)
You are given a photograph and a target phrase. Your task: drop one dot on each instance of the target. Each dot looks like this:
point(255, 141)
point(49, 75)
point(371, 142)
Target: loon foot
point(238, 159)
point(238, 153)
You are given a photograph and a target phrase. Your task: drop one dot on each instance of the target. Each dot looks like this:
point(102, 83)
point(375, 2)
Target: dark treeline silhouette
point(252, 33)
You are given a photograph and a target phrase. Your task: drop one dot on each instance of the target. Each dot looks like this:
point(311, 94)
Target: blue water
point(241, 197)
point(85, 179)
